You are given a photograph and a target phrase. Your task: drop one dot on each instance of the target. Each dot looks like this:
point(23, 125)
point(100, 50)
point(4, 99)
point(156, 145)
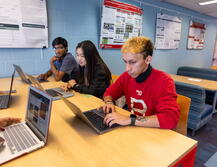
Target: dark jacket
point(98, 84)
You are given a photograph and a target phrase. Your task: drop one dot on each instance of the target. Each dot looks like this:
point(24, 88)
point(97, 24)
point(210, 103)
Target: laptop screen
point(38, 110)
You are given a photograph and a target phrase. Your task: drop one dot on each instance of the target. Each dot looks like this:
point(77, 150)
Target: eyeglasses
point(58, 48)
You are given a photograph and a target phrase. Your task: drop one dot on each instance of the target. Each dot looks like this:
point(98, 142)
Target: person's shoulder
point(69, 57)
point(161, 75)
point(125, 76)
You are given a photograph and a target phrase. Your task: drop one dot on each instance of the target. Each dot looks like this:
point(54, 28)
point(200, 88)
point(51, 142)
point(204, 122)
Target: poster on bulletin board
point(196, 35)
point(120, 21)
point(23, 24)
point(168, 31)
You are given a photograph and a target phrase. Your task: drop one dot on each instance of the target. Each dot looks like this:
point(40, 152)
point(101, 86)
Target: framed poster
point(120, 21)
point(168, 32)
point(196, 35)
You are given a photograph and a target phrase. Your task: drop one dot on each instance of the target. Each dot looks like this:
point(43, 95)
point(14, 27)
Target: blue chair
point(200, 112)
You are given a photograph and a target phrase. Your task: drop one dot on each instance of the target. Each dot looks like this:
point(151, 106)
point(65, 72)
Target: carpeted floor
point(207, 141)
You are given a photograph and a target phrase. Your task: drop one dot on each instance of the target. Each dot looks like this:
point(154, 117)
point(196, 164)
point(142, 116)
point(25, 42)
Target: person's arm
point(112, 93)
point(97, 86)
point(109, 106)
point(67, 70)
point(45, 75)
point(4, 122)
point(146, 121)
point(58, 75)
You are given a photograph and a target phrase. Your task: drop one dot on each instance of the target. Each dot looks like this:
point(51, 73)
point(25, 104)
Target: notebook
point(5, 99)
point(25, 137)
point(56, 93)
point(23, 76)
point(94, 118)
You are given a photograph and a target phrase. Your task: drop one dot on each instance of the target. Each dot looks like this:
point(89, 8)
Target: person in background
point(63, 64)
point(150, 93)
point(93, 75)
point(4, 122)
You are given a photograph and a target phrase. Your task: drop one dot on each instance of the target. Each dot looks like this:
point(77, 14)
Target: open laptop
point(23, 76)
point(5, 99)
point(25, 137)
point(56, 93)
point(94, 118)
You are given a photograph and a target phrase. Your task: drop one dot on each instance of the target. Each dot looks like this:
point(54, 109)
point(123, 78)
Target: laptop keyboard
point(53, 93)
point(97, 121)
point(4, 100)
point(18, 138)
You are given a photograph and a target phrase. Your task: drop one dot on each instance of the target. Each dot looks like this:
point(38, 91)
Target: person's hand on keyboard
point(8, 121)
point(109, 107)
point(116, 118)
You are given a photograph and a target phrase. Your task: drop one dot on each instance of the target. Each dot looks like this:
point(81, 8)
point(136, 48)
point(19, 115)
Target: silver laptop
point(94, 118)
point(5, 99)
point(25, 137)
point(56, 93)
point(23, 76)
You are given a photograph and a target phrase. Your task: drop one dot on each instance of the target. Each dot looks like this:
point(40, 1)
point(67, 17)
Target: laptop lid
point(77, 112)
point(35, 82)
point(38, 112)
point(21, 73)
point(11, 86)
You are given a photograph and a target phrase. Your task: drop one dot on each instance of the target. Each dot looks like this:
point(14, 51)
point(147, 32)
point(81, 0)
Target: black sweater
point(98, 84)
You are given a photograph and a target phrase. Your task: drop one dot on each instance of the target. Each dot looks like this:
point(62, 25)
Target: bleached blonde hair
point(136, 45)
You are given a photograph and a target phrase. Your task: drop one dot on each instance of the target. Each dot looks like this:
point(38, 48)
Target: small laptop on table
point(56, 93)
point(94, 118)
point(23, 76)
point(25, 137)
point(5, 99)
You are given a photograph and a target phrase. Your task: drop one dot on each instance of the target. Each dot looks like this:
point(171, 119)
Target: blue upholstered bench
point(200, 112)
point(203, 73)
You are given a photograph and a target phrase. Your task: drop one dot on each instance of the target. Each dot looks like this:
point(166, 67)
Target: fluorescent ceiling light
point(208, 2)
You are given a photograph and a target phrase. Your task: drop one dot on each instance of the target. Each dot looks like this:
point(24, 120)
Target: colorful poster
point(196, 35)
point(168, 32)
point(120, 21)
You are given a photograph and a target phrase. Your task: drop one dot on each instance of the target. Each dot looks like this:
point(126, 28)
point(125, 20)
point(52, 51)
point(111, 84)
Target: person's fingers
point(112, 122)
point(10, 121)
point(13, 121)
point(100, 108)
point(68, 85)
point(109, 118)
point(17, 120)
point(108, 109)
point(2, 129)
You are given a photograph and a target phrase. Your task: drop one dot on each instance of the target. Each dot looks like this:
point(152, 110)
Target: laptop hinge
point(36, 132)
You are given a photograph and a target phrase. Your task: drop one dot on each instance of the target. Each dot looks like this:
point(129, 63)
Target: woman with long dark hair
point(93, 76)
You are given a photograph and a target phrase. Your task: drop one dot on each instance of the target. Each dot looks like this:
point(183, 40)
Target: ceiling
point(210, 10)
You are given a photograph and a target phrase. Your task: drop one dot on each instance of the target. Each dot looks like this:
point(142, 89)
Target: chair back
point(184, 104)
point(114, 78)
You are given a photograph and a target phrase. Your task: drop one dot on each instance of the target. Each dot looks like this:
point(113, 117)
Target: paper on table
point(193, 79)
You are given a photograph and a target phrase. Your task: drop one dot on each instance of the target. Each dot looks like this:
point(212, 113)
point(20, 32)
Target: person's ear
point(148, 59)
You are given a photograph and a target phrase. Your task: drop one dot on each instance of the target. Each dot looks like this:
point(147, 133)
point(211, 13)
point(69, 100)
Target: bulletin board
point(120, 21)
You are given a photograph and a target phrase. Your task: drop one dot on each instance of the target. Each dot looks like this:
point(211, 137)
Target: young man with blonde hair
point(150, 93)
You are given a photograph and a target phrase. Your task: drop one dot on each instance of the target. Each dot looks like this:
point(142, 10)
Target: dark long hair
point(93, 58)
